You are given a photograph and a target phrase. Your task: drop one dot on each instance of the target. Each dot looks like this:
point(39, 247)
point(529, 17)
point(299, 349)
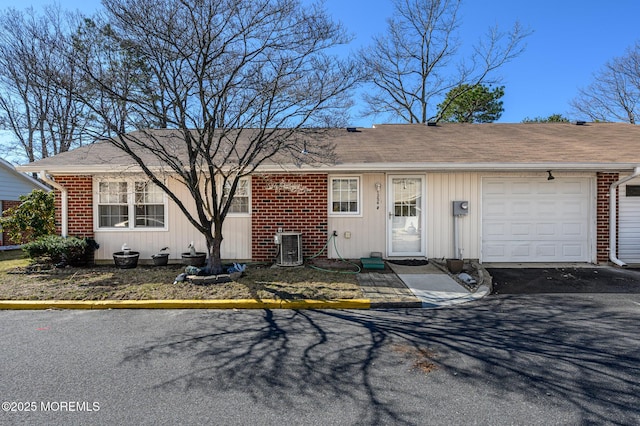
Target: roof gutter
point(613, 213)
point(64, 200)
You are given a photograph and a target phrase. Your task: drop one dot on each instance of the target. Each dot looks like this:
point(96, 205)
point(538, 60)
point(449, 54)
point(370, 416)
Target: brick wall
point(80, 205)
point(293, 202)
point(604, 181)
point(6, 205)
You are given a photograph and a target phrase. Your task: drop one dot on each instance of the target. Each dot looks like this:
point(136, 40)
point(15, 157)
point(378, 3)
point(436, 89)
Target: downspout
point(613, 213)
point(63, 199)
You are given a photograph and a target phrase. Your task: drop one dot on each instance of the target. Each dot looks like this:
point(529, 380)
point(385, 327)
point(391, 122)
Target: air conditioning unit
point(290, 253)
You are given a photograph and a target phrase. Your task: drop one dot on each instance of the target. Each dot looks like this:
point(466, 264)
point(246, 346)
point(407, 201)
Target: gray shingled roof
point(495, 143)
point(449, 145)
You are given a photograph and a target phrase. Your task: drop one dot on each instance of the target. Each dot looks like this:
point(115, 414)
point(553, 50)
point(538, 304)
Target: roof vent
point(431, 123)
point(352, 129)
point(580, 123)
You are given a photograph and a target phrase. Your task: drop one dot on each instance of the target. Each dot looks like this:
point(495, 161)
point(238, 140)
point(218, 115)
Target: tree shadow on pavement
point(550, 280)
point(550, 353)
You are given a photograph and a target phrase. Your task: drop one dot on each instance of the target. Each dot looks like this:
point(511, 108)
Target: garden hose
point(333, 237)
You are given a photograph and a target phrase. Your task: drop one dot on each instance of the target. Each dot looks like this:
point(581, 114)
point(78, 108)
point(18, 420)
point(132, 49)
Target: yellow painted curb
point(185, 304)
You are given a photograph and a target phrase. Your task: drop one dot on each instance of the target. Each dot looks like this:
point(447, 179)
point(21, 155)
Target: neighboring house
point(391, 191)
point(13, 184)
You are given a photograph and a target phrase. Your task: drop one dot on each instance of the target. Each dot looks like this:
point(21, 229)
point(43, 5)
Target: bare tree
point(614, 94)
point(417, 61)
point(114, 73)
point(232, 83)
point(40, 113)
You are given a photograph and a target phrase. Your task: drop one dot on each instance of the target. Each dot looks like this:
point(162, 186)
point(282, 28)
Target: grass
point(19, 281)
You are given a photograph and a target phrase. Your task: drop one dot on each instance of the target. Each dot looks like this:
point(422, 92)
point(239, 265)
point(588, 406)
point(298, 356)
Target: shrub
point(33, 218)
point(55, 249)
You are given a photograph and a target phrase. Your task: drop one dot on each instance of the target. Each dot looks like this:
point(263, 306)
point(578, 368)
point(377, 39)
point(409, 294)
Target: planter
point(455, 265)
point(198, 259)
point(126, 260)
point(161, 259)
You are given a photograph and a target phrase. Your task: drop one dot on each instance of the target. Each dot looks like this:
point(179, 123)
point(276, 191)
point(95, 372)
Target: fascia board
point(358, 167)
point(457, 167)
point(79, 170)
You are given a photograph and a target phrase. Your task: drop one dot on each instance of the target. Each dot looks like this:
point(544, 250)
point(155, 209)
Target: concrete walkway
point(425, 286)
point(386, 290)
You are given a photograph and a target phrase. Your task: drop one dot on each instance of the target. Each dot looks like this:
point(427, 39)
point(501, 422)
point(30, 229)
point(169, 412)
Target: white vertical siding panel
point(236, 233)
point(433, 219)
point(442, 190)
point(368, 232)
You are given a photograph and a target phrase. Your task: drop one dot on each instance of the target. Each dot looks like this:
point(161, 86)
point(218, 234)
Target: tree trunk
point(214, 243)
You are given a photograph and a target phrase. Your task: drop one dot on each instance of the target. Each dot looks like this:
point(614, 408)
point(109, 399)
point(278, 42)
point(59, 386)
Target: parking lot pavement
point(600, 279)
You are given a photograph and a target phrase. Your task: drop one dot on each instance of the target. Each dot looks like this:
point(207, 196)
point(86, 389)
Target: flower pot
point(126, 260)
point(160, 259)
point(455, 265)
point(198, 259)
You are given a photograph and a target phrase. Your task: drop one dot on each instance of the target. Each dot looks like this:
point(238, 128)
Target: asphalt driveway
point(508, 360)
point(601, 279)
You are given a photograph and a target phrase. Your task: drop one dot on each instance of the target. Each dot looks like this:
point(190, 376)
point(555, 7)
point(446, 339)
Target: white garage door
point(629, 222)
point(536, 220)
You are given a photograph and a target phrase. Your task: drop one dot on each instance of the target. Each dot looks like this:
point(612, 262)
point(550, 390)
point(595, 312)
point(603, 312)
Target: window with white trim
point(241, 202)
point(344, 194)
point(149, 205)
point(130, 204)
point(113, 204)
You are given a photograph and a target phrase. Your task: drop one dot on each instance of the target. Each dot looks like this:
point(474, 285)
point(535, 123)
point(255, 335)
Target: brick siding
point(295, 203)
point(604, 181)
point(80, 205)
point(6, 205)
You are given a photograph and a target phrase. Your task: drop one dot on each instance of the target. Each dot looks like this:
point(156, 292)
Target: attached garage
point(537, 220)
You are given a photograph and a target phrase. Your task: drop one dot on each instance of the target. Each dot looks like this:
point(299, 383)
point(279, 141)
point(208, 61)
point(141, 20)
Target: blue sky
point(571, 40)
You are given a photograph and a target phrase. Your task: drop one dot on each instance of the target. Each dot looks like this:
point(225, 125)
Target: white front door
point(406, 216)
